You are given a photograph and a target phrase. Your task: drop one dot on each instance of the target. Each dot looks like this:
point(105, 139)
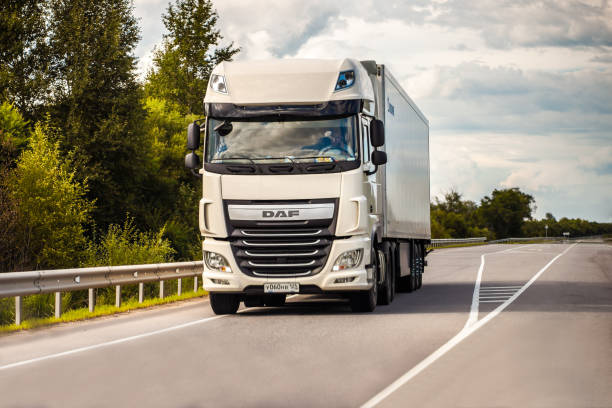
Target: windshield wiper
point(236, 158)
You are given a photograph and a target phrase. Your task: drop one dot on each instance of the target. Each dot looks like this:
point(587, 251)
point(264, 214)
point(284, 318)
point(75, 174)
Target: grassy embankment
point(101, 310)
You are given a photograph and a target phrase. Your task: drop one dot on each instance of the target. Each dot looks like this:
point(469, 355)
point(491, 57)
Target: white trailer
point(315, 180)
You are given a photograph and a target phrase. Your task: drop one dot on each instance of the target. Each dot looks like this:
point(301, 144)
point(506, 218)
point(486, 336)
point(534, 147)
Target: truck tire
point(365, 301)
point(276, 300)
point(386, 289)
point(253, 301)
point(224, 303)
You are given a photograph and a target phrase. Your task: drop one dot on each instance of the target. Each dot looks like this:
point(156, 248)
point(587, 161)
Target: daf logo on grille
point(280, 213)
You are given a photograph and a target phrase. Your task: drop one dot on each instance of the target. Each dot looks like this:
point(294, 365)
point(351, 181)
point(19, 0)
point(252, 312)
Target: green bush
point(53, 210)
point(125, 245)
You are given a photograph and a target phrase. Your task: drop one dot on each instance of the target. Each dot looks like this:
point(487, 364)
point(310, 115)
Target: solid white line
point(459, 337)
point(474, 308)
point(493, 301)
point(108, 343)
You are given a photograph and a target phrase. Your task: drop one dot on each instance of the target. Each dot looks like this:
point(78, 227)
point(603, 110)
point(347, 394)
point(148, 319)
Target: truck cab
point(293, 185)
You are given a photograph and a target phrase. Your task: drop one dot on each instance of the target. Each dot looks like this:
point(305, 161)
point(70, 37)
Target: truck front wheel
point(224, 303)
point(365, 302)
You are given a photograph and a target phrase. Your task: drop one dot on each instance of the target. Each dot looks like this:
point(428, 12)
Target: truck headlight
point(348, 259)
point(216, 262)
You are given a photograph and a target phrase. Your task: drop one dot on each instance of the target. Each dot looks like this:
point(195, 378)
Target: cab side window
point(365, 142)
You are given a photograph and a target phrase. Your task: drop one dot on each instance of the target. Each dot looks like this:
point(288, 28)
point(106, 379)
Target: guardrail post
point(140, 292)
point(18, 310)
point(180, 286)
point(195, 283)
point(58, 304)
point(92, 300)
point(161, 289)
point(118, 296)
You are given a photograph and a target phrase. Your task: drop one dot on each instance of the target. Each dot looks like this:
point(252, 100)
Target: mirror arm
point(196, 173)
point(369, 173)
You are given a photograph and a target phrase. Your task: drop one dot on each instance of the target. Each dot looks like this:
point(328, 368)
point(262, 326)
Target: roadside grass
point(100, 310)
point(458, 245)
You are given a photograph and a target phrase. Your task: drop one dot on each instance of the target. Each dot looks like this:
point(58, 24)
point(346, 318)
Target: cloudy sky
point(518, 93)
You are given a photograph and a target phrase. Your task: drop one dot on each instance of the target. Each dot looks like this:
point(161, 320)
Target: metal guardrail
point(435, 243)
point(510, 240)
point(20, 284)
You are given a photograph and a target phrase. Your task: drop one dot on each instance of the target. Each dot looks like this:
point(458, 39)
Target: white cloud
point(519, 93)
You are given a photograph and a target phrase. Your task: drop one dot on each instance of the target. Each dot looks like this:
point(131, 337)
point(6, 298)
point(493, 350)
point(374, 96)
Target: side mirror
point(193, 136)
point(377, 133)
point(192, 161)
point(379, 157)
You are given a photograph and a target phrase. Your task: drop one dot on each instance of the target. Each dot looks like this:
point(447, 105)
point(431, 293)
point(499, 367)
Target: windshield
point(303, 141)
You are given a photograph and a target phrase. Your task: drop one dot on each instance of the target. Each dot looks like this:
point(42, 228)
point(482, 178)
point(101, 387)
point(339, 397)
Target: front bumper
point(325, 281)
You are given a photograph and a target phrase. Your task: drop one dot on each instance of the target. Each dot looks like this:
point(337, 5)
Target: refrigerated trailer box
point(315, 180)
point(405, 177)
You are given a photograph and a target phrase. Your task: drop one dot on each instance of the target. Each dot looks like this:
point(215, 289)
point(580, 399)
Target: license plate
point(280, 287)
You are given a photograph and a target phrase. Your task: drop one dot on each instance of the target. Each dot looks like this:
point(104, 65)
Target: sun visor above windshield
point(326, 109)
point(288, 82)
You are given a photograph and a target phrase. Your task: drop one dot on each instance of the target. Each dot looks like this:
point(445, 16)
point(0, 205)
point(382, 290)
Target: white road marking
point(459, 337)
point(493, 301)
point(474, 308)
point(112, 342)
point(496, 297)
point(500, 287)
point(108, 343)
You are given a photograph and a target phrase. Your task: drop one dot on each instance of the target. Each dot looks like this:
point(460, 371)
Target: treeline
point(90, 156)
point(507, 213)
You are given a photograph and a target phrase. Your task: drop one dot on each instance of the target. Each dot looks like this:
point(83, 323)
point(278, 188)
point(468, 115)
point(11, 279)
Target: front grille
point(281, 249)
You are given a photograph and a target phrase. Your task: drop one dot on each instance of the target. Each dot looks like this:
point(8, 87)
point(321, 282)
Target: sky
point(517, 93)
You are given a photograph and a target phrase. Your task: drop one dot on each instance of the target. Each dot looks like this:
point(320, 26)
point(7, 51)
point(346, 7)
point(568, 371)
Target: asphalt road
point(539, 333)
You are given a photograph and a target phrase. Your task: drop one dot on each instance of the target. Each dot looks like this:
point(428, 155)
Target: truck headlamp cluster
point(346, 79)
point(216, 262)
point(348, 259)
point(217, 83)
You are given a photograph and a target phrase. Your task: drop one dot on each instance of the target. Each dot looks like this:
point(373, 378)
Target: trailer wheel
point(386, 289)
point(276, 300)
point(224, 303)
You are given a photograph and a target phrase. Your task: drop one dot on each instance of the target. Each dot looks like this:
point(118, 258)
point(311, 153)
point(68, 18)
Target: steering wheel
point(338, 148)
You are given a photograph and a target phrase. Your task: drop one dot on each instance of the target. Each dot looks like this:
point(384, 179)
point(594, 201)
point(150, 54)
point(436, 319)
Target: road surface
point(536, 332)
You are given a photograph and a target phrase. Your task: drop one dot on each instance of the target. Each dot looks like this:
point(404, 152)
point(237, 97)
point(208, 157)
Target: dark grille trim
point(281, 249)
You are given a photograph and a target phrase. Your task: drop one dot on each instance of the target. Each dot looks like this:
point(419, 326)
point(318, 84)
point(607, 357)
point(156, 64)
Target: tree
point(97, 101)
point(13, 131)
point(188, 54)
point(52, 208)
point(454, 217)
point(23, 54)
point(506, 211)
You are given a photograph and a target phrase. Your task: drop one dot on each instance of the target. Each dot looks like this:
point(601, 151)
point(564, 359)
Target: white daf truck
point(315, 181)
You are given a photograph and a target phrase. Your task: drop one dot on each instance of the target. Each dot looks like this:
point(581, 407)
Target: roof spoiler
point(370, 66)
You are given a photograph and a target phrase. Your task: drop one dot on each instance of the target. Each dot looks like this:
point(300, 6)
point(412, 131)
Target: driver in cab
point(333, 145)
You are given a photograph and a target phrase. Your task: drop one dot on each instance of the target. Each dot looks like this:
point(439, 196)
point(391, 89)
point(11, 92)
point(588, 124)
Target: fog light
point(216, 262)
point(220, 281)
point(345, 280)
point(348, 259)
